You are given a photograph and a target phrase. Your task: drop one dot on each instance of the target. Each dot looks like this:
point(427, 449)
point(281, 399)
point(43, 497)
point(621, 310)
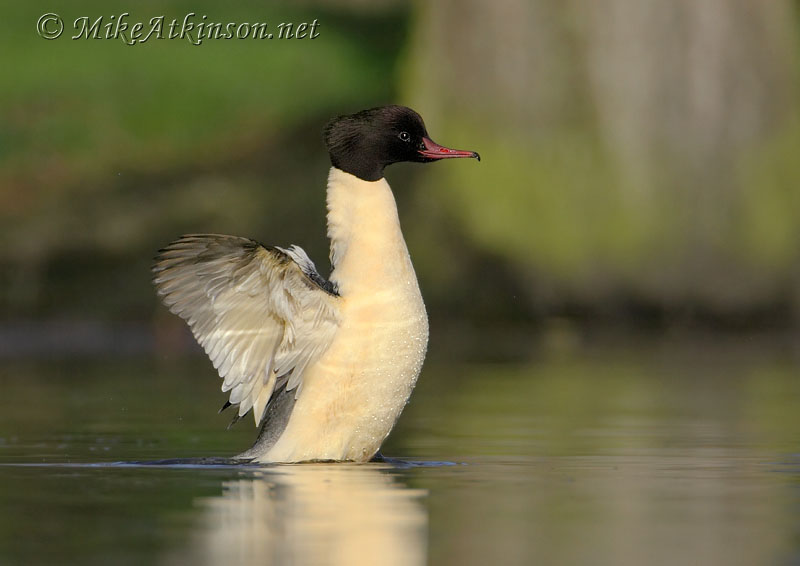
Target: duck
point(325, 366)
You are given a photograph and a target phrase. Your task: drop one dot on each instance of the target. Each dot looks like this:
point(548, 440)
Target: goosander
point(325, 366)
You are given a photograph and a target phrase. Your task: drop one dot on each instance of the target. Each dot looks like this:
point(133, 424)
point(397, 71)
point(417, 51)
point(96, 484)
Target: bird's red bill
point(435, 151)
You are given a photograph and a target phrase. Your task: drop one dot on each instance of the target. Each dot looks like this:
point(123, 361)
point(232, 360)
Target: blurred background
point(614, 290)
point(640, 160)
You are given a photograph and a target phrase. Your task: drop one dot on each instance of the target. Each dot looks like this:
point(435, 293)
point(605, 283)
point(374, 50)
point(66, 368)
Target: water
point(654, 454)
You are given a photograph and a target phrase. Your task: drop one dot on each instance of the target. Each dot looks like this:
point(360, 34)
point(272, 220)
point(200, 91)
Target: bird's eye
point(405, 136)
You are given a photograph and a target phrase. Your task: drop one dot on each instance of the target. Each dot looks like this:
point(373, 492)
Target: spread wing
point(262, 314)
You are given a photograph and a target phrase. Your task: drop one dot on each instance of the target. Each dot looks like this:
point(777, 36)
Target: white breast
point(353, 396)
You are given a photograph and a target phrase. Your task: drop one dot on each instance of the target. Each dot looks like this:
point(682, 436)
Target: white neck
point(368, 251)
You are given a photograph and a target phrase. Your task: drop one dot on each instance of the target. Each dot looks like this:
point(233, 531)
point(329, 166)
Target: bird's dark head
point(364, 143)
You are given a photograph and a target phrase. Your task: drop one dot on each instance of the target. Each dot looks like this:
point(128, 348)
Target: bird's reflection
point(313, 514)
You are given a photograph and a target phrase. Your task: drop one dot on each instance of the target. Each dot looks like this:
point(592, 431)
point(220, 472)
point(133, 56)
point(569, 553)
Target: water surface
point(656, 454)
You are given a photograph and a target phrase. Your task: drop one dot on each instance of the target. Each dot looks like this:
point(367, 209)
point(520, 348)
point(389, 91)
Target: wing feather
point(260, 313)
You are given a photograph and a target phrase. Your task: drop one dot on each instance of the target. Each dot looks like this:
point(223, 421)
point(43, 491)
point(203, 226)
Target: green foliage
point(108, 150)
point(95, 103)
